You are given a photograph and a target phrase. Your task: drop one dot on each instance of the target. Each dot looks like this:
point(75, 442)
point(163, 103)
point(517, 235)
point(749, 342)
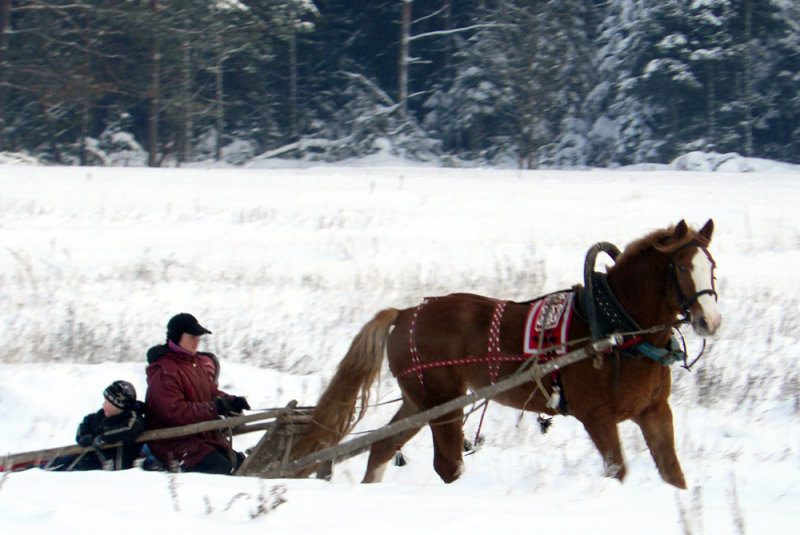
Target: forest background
point(528, 83)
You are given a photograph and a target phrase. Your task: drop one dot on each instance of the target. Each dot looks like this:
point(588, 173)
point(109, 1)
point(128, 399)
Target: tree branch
point(458, 30)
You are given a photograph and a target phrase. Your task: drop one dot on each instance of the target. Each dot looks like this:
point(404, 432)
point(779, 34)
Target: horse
point(447, 345)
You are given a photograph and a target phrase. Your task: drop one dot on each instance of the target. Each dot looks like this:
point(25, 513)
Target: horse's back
point(447, 338)
point(442, 318)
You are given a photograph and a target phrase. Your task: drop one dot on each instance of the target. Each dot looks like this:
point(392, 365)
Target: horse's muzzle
point(706, 325)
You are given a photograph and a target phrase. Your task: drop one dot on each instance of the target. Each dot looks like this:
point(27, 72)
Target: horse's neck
point(643, 296)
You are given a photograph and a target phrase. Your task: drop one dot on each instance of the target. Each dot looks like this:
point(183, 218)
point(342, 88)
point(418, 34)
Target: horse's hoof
point(450, 475)
point(678, 481)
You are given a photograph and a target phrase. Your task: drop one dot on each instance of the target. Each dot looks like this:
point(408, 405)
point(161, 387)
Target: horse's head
point(691, 267)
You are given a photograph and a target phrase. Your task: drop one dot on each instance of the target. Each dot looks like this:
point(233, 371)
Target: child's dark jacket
point(96, 431)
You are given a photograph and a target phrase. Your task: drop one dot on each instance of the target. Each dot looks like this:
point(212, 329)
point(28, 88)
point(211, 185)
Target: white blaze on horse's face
point(706, 318)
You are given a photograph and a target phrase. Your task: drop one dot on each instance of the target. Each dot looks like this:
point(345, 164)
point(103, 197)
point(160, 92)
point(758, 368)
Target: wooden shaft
point(346, 450)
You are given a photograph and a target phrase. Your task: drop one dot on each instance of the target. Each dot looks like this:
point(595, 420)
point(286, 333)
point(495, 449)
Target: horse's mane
point(662, 240)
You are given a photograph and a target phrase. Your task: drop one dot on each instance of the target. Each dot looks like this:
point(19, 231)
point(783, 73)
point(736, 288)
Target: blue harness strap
point(666, 356)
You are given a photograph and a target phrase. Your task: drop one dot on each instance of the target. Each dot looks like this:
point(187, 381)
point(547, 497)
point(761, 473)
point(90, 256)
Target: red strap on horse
point(416, 365)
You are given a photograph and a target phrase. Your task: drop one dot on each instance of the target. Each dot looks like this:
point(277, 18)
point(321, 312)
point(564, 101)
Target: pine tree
point(766, 62)
point(686, 74)
point(678, 75)
point(779, 135)
point(519, 80)
point(543, 83)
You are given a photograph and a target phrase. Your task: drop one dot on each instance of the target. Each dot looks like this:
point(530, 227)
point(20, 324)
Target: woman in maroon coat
point(182, 389)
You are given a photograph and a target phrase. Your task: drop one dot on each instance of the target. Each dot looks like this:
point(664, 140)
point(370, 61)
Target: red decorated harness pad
point(547, 325)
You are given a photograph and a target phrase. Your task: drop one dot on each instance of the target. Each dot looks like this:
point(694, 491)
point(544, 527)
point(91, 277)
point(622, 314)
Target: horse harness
point(547, 345)
point(605, 315)
point(598, 306)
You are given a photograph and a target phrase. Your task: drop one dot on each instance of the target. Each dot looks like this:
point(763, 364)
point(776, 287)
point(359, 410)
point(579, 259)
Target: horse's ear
point(681, 229)
point(707, 230)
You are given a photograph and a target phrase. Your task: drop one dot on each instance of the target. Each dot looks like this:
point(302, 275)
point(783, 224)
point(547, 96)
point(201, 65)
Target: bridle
point(683, 301)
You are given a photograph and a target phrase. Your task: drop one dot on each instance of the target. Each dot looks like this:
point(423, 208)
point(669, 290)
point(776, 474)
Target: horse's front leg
point(448, 444)
point(603, 432)
point(656, 425)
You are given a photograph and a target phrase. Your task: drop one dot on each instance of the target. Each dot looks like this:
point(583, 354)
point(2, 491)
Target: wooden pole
point(349, 449)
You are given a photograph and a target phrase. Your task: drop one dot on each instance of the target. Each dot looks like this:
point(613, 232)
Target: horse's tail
point(335, 414)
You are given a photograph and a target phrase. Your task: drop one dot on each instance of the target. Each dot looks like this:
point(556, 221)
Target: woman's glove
point(239, 404)
point(230, 405)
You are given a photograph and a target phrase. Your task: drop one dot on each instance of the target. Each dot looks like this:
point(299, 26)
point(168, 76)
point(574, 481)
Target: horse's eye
point(681, 267)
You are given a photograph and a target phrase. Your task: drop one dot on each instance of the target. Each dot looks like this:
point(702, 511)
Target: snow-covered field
point(285, 264)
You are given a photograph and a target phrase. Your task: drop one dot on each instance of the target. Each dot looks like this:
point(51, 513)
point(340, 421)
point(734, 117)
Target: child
point(119, 421)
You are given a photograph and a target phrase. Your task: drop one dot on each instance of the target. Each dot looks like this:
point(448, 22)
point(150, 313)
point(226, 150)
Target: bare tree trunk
point(526, 152)
point(293, 129)
point(673, 118)
point(184, 133)
point(155, 98)
point(405, 30)
point(86, 98)
point(184, 114)
point(748, 82)
point(84, 127)
point(219, 88)
point(219, 103)
point(5, 17)
point(449, 45)
point(188, 122)
point(155, 104)
point(712, 119)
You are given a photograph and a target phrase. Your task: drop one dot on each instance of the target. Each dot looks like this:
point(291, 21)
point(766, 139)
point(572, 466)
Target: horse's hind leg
point(448, 444)
point(383, 451)
point(656, 426)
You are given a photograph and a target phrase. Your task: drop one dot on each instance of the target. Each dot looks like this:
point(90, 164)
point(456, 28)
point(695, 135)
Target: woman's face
point(189, 343)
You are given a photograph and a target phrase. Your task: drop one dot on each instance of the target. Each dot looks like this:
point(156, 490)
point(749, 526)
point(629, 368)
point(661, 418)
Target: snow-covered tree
point(679, 75)
point(518, 81)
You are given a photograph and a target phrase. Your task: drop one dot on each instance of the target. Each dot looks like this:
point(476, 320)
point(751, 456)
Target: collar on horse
point(606, 315)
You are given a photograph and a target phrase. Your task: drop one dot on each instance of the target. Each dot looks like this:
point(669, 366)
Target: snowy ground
point(285, 264)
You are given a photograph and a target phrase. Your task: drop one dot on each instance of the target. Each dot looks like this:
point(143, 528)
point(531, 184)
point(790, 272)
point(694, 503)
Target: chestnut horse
point(448, 344)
